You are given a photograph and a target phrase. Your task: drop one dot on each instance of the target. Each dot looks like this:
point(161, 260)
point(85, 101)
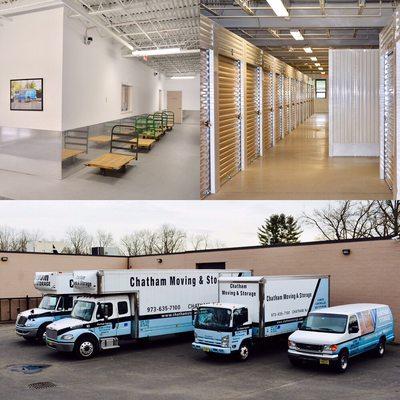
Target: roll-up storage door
point(268, 111)
point(252, 114)
point(286, 108)
point(277, 119)
point(293, 104)
point(228, 117)
point(389, 118)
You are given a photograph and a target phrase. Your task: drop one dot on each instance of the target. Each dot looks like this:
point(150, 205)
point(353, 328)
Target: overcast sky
point(234, 223)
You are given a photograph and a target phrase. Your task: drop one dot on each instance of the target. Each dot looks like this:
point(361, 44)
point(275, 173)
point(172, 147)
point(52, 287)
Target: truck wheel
point(244, 351)
point(85, 348)
point(381, 348)
point(342, 362)
point(40, 333)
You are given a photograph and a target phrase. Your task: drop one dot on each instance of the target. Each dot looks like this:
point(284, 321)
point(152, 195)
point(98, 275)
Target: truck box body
point(276, 303)
point(54, 282)
point(160, 302)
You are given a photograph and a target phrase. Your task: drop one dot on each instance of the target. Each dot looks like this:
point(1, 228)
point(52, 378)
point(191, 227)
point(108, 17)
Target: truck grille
point(309, 347)
point(51, 333)
point(22, 320)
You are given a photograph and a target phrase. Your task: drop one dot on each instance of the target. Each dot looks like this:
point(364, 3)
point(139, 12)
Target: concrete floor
point(170, 369)
point(170, 171)
point(299, 167)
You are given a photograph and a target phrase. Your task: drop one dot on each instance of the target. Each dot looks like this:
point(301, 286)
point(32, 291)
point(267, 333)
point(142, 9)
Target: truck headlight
point(225, 341)
point(67, 336)
point(332, 348)
point(291, 344)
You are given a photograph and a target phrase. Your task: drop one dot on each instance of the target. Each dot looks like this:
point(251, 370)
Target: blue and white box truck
point(331, 336)
point(254, 308)
point(132, 304)
point(57, 302)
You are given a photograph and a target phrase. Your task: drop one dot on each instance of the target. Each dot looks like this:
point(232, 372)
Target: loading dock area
point(170, 369)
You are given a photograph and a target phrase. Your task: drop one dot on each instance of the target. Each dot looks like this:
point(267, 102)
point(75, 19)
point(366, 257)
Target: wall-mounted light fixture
point(159, 260)
point(346, 252)
point(4, 259)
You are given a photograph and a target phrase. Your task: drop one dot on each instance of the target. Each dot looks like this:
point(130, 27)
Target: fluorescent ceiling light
point(156, 52)
point(296, 34)
point(320, 68)
point(182, 77)
point(278, 8)
point(317, 64)
point(245, 6)
point(308, 49)
point(313, 58)
point(323, 73)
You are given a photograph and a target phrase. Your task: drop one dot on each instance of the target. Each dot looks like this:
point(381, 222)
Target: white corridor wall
point(354, 102)
point(190, 92)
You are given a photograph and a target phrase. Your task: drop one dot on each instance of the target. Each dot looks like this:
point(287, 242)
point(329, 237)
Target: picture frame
point(26, 94)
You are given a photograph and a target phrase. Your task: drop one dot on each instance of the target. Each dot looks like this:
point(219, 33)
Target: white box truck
point(58, 297)
point(251, 308)
point(132, 304)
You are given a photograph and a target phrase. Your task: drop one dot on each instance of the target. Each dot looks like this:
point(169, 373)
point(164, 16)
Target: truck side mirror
point(299, 325)
point(194, 312)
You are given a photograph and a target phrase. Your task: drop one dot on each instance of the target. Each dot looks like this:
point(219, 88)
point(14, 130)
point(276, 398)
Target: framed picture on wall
point(26, 94)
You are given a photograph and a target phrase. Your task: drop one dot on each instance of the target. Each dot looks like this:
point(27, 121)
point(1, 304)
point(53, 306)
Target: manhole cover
point(28, 368)
point(41, 385)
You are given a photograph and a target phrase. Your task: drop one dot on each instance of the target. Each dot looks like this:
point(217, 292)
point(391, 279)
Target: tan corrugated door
point(389, 118)
point(204, 123)
point(267, 111)
point(228, 118)
point(293, 104)
point(278, 109)
point(252, 144)
point(286, 108)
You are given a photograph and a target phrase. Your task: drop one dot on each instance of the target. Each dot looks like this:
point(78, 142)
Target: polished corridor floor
point(299, 167)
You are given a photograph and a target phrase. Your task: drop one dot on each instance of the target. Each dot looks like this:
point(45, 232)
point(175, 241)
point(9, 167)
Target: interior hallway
point(170, 171)
point(299, 167)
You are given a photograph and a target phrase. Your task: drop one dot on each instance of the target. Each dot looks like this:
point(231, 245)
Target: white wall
point(92, 78)
point(354, 102)
point(190, 92)
point(31, 47)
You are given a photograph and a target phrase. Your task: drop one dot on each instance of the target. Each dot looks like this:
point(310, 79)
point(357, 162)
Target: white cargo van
point(58, 297)
point(255, 308)
point(132, 304)
point(332, 335)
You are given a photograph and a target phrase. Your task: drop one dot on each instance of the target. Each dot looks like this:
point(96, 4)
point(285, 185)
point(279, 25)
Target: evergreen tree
point(279, 229)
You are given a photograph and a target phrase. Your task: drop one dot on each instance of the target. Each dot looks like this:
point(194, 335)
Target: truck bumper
point(211, 349)
point(59, 346)
point(26, 332)
point(320, 358)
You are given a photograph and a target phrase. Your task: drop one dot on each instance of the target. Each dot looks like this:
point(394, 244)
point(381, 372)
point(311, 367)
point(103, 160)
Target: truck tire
point(86, 347)
point(381, 348)
point(40, 333)
point(244, 351)
point(342, 362)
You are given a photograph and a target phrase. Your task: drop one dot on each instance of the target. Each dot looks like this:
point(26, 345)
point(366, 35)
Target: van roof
point(349, 309)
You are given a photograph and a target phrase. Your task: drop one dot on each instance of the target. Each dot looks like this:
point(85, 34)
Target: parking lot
point(169, 369)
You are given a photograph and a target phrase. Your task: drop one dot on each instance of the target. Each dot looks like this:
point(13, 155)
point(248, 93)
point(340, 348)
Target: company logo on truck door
point(150, 281)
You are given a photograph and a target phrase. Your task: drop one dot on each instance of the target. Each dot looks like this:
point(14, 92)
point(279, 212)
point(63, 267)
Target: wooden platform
point(144, 143)
point(100, 139)
point(111, 161)
point(69, 153)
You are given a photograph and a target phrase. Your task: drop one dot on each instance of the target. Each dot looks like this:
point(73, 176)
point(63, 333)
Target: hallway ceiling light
point(320, 68)
point(245, 6)
point(323, 73)
point(308, 49)
point(313, 59)
point(182, 77)
point(156, 52)
point(317, 64)
point(278, 8)
point(296, 34)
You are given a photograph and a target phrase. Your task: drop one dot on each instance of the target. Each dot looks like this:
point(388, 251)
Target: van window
point(353, 322)
point(122, 307)
point(105, 310)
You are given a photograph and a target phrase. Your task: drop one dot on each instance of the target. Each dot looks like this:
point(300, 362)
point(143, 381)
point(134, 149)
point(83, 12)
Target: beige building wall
point(371, 273)
point(17, 273)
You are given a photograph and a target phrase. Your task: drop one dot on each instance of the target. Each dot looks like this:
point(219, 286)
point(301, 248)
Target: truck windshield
point(48, 302)
point(83, 310)
point(213, 318)
point(330, 323)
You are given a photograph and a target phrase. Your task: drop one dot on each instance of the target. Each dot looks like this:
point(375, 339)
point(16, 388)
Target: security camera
point(88, 40)
point(155, 73)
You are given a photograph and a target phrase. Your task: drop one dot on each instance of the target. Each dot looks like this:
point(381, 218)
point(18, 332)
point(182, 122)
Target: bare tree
point(132, 244)
point(78, 241)
point(6, 238)
point(170, 240)
point(200, 241)
point(150, 242)
point(20, 241)
point(104, 239)
point(356, 219)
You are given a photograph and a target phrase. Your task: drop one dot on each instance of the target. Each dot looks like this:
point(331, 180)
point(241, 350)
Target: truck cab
point(31, 324)
point(223, 329)
point(96, 323)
